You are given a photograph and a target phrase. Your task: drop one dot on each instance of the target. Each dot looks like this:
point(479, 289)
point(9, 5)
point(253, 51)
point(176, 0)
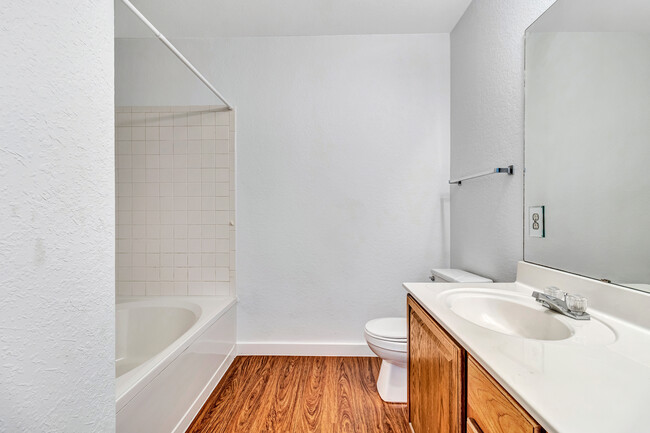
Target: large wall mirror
point(587, 140)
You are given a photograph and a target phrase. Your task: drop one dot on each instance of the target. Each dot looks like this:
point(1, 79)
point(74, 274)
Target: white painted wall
point(342, 169)
point(595, 16)
point(212, 19)
point(487, 129)
point(587, 153)
point(57, 213)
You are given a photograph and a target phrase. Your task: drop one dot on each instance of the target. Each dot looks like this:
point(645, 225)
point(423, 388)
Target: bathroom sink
point(509, 314)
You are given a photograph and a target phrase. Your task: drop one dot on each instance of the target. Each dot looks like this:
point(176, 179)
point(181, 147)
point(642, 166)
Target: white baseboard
point(304, 349)
point(184, 423)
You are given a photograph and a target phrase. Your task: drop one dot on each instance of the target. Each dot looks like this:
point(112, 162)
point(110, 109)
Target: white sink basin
point(509, 314)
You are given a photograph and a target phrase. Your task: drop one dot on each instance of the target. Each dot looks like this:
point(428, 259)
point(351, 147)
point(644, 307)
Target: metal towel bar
point(509, 170)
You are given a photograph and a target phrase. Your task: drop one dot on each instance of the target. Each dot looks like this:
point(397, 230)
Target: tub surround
point(551, 379)
point(175, 197)
point(175, 185)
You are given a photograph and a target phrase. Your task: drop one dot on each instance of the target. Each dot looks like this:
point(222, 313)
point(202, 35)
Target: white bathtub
point(170, 354)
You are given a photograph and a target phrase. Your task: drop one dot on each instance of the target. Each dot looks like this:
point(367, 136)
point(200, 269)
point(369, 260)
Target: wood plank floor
point(299, 394)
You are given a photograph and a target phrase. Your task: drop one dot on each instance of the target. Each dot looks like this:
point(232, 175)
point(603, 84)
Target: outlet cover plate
point(536, 227)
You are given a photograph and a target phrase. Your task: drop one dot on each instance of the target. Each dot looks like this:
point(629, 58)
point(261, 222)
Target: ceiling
point(224, 18)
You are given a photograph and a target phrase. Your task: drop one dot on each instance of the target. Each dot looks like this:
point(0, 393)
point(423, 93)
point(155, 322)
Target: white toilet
point(387, 338)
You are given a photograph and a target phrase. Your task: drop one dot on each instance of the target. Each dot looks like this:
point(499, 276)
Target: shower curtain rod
point(173, 49)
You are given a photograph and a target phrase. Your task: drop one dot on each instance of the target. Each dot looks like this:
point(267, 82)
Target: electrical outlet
point(536, 222)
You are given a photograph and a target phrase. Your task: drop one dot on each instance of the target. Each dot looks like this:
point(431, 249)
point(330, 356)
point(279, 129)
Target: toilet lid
point(388, 328)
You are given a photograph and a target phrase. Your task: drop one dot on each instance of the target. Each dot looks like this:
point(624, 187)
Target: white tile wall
point(175, 193)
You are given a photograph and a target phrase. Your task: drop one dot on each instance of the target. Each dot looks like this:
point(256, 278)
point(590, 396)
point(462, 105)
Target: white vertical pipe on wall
point(174, 50)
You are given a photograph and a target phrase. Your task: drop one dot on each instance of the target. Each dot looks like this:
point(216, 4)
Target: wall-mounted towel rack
point(509, 170)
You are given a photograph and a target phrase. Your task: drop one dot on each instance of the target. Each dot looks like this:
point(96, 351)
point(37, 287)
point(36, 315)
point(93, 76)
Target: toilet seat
point(392, 329)
point(388, 333)
point(391, 345)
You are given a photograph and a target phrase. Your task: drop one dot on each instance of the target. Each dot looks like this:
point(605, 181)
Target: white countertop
point(568, 386)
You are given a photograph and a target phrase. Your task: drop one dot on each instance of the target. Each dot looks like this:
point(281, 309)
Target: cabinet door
point(490, 409)
point(436, 367)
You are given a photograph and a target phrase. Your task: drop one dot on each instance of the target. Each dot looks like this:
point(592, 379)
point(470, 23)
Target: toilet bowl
point(386, 337)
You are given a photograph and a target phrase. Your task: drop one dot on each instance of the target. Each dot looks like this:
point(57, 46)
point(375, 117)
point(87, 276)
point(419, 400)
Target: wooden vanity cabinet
point(490, 409)
point(449, 391)
point(436, 366)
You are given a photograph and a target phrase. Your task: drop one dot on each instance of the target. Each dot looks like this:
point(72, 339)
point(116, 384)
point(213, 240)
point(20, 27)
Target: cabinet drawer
point(490, 409)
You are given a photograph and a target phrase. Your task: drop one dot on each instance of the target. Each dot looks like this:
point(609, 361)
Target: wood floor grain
point(300, 394)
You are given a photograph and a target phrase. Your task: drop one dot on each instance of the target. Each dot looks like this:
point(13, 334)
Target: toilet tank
point(456, 276)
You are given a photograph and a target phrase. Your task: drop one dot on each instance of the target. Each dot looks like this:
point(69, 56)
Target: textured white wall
point(342, 169)
point(487, 130)
point(57, 212)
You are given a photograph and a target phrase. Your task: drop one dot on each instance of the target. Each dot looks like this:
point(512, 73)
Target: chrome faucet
point(573, 306)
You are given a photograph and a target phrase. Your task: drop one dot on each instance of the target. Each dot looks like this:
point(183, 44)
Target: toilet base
point(391, 383)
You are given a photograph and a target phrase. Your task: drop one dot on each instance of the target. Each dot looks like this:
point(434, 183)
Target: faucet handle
point(555, 292)
point(576, 303)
